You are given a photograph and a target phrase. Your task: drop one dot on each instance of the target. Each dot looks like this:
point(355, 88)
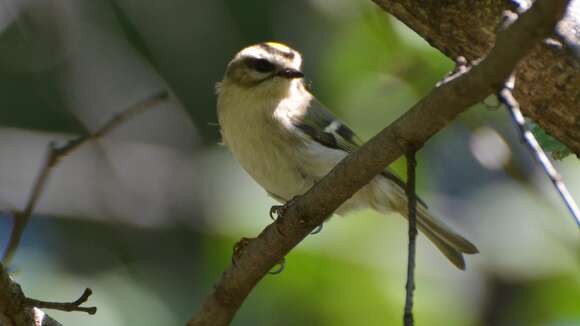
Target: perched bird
point(287, 141)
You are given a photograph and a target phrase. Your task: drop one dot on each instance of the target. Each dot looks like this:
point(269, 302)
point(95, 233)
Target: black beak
point(290, 73)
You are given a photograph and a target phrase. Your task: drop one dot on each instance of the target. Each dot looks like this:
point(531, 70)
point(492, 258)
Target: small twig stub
point(65, 306)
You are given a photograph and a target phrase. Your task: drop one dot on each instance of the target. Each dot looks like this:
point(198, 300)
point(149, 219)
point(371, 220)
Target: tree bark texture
point(548, 79)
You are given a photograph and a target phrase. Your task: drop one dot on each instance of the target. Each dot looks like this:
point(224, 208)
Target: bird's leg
point(278, 211)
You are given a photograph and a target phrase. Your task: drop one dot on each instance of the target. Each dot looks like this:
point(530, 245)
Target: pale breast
point(272, 165)
point(265, 149)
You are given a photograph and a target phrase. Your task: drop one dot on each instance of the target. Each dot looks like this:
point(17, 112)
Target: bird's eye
point(262, 65)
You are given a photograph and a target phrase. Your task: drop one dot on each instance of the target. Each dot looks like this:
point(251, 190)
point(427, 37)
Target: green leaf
point(558, 150)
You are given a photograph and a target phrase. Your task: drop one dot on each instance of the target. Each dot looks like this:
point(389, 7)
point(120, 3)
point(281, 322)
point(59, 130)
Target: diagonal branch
point(506, 97)
point(53, 157)
point(411, 130)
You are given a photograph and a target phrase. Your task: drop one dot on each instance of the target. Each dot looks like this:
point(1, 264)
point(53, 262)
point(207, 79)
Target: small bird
point(287, 141)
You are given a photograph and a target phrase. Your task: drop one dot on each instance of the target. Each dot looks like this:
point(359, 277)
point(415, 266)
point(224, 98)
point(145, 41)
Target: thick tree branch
point(548, 79)
point(411, 130)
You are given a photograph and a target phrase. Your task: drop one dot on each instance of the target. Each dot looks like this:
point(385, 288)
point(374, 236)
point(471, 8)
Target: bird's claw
point(278, 211)
point(242, 244)
point(239, 248)
point(317, 230)
point(281, 264)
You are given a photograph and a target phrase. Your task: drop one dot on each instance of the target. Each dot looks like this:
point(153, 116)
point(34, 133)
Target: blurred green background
point(148, 216)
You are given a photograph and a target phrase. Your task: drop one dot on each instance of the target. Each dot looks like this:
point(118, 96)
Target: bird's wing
point(321, 126)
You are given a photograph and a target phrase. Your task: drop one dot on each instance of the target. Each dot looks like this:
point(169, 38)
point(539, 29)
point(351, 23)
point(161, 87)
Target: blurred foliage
point(148, 217)
point(550, 144)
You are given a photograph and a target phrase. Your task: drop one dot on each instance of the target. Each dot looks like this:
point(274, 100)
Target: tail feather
point(388, 195)
point(452, 254)
point(450, 243)
point(445, 233)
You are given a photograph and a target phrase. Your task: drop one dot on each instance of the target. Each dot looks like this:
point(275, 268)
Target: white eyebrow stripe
point(258, 52)
point(332, 127)
point(254, 52)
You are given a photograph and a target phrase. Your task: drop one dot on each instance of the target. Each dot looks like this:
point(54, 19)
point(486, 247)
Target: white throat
point(257, 127)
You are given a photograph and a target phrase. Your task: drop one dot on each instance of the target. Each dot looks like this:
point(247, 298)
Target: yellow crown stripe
point(279, 46)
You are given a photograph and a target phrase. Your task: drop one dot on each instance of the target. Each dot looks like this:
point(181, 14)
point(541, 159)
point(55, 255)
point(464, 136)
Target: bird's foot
point(278, 211)
point(239, 248)
point(242, 244)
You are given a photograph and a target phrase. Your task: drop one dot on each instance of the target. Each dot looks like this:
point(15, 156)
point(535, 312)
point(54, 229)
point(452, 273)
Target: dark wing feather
point(321, 126)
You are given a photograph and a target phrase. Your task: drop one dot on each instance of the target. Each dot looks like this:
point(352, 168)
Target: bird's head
point(268, 66)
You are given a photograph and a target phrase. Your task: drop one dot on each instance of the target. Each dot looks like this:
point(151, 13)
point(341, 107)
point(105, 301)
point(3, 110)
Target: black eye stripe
point(261, 65)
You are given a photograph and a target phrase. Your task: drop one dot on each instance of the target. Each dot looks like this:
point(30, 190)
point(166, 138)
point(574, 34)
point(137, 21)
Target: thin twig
point(506, 97)
point(64, 306)
point(55, 154)
point(412, 207)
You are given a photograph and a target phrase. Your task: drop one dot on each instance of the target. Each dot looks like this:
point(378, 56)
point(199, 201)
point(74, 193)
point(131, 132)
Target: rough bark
point(548, 79)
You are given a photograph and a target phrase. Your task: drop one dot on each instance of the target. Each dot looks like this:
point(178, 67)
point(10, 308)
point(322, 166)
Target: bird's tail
point(449, 242)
